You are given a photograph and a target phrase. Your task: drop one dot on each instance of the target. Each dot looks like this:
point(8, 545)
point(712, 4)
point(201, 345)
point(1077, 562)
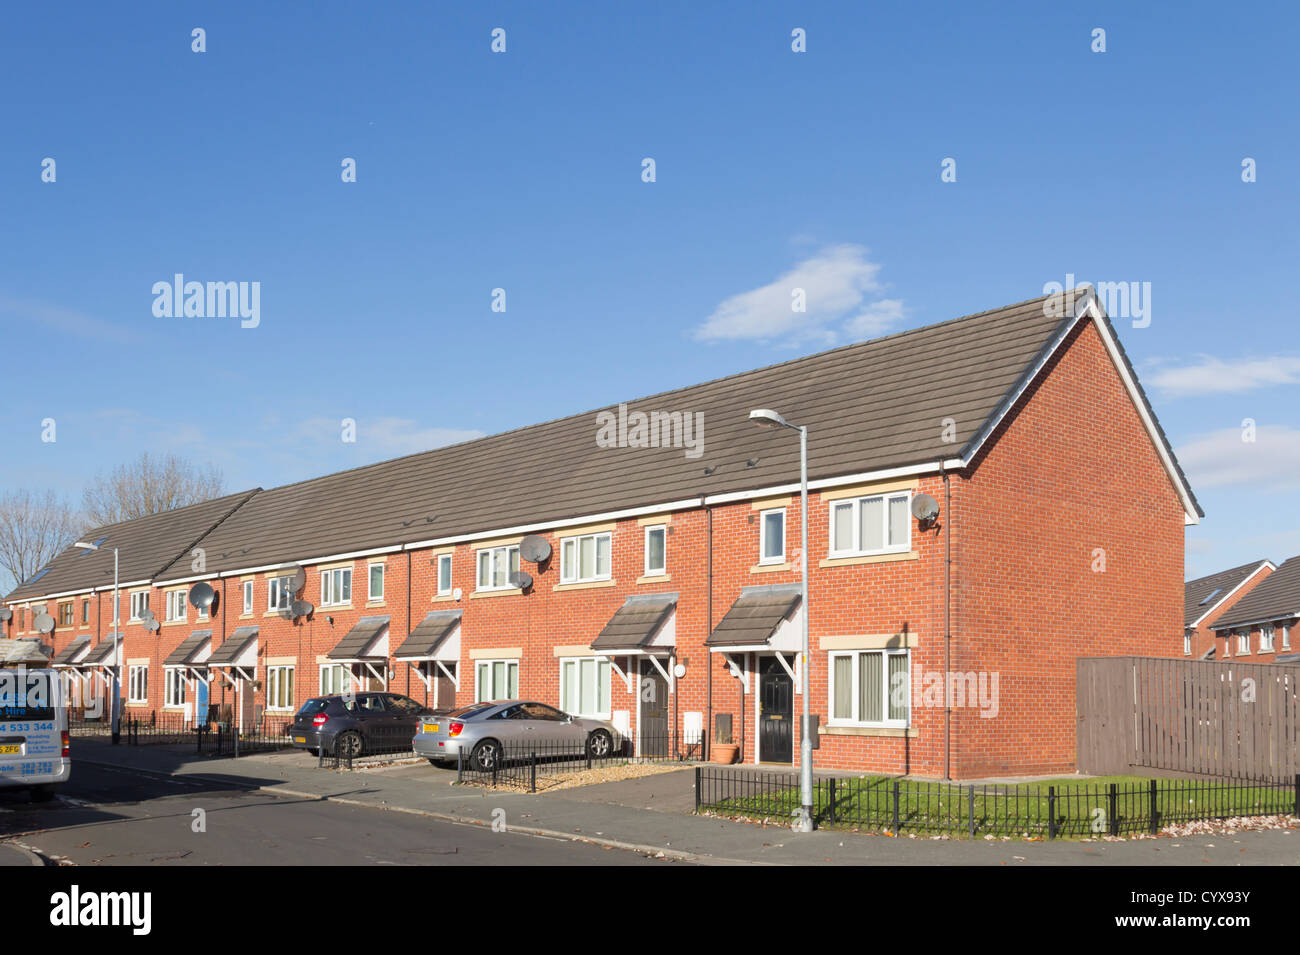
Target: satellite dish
point(6, 614)
point(152, 625)
point(301, 608)
point(534, 549)
point(925, 507)
point(201, 596)
point(521, 579)
point(297, 577)
point(43, 623)
point(146, 615)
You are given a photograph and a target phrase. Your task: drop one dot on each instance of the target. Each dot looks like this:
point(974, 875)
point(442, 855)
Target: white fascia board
point(282, 565)
point(1245, 580)
point(1249, 624)
point(124, 585)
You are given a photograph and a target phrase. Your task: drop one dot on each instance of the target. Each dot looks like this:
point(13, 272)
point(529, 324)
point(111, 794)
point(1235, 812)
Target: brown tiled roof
point(428, 634)
point(226, 654)
point(635, 623)
point(1202, 594)
point(100, 653)
point(755, 615)
point(145, 546)
point(358, 638)
point(189, 646)
point(1275, 599)
point(65, 656)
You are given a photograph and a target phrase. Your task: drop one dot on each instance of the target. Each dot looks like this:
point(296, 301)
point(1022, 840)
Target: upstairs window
point(376, 591)
point(585, 558)
point(139, 604)
point(248, 596)
point(336, 587)
point(771, 537)
point(444, 574)
point(175, 605)
point(656, 546)
point(279, 593)
point(870, 525)
point(66, 614)
point(495, 565)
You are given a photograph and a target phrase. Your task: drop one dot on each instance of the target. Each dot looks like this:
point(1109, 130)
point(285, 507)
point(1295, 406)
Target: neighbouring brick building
point(1261, 626)
point(658, 547)
point(1207, 599)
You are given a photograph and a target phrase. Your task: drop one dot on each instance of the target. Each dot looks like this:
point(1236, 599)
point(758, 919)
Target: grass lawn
point(1080, 807)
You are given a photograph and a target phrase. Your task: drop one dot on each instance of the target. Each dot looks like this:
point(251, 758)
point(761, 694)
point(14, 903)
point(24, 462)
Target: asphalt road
point(110, 816)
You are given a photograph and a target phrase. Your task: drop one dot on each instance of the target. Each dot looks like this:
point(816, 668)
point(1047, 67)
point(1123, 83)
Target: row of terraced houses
point(669, 601)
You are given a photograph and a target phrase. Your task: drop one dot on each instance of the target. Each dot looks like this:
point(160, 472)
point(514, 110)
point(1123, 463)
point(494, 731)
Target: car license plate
point(430, 727)
point(300, 739)
point(11, 749)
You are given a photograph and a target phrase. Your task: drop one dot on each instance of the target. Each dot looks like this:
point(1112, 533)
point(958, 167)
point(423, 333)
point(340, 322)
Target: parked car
point(351, 725)
point(488, 733)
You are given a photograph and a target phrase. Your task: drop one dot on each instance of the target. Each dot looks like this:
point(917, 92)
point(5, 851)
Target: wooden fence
point(1191, 716)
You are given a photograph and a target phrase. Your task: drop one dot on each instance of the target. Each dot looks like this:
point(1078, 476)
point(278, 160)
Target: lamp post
point(116, 714)
point(766, 418)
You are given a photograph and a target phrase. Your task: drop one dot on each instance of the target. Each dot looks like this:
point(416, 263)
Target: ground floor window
point(584, 686)
point(496, 680)
point(175, 680)
point(138, 684)
point(279, 688)
point(1266, 639)
point(333, 679)
point(870, 687)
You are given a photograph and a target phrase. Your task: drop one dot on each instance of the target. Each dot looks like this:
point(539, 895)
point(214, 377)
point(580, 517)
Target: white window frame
point(1243, 643)
point(855, 669)
point(138, 683)
point(1286, 636)
point(277, 589)
point(662, 570)
point(856, 548)
point(139, 606)
point(506, 553)
point(331, 584)
point(371, 596)
point(444, 560)
point(277, 687)
point(1187, 643)
point(762, 536)
point(175, 606)
point(569, 705)
point(248, 596)
point(571, 558)
point(344, 679)
point(1266, 638)
point(176, 688)
point(478, 669)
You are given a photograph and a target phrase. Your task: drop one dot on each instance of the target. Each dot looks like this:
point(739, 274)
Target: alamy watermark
point(653, 429)
point(1120, 299)
point(181, 299)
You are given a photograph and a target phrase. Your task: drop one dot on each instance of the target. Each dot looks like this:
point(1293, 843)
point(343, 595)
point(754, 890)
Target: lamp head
point(767, 418)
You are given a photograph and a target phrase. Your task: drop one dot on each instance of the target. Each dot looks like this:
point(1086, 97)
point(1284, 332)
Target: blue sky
point(522, 171)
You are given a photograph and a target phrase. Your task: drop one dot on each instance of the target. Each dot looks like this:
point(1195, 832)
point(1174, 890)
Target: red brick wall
point(1204, 637)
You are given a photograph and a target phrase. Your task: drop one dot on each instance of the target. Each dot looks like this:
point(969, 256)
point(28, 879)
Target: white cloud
point(1223, 459)
point(835, 281)
point(66, 321)
point(1214, 376)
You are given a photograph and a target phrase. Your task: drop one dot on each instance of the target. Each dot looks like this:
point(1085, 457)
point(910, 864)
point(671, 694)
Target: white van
point(33, 731)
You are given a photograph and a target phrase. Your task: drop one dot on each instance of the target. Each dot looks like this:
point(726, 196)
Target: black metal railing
point(216, 737)
point(367, 745)
point(1035, 810)
point(519, 764)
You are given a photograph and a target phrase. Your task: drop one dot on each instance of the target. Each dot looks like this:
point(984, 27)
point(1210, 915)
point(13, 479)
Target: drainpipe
point(708, 627)
point(947, 622)
point(407, 668)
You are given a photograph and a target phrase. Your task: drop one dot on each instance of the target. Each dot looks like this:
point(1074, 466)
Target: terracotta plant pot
point(725, 753)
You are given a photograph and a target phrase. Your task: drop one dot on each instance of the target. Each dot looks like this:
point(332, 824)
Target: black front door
point(775, 712)
point(654, 710)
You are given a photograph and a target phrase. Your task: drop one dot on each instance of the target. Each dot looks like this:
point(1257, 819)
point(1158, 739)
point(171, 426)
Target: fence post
point(460, 766)
point(895, 807)
point(532, 780)
point(831, 784)
point(1296, 811)
point(970, 807)
point(1112, 807)
point(1155, 808)
point(697, 789)
point(1051, 812)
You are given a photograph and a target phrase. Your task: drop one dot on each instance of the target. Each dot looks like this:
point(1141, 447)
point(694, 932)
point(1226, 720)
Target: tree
point(149, 486)
point(34, 528)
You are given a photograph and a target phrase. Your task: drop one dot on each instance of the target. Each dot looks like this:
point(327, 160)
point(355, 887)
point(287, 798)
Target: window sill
point(770, 568)
point(503, 592)
point(376, 603)
point(899, 732)
point(443, 597)
point(334, 607)
point(869, 559)
point(174, 623)
point(584, 585)
point(654, 579)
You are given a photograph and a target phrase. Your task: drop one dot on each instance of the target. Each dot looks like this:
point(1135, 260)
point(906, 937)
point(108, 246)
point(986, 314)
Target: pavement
point(654, 815)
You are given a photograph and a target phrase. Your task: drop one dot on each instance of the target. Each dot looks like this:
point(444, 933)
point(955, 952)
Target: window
point(1266, 638)
point(248, 596)
point(175, 681)
point(1187, 642)
point(1286, 636)
point(22, 619)
point(66, 612)
point(771, 537)
point(279, 593)
point(279, 688)
point(656, 545)
point(376, 582)
point(333, 679)
point(85, 612)
point(496, 680)
point(495, 565)
point(870, 687)
point(444, 574)
point(585, 558)
point(870, 525)
point(139, 604)
point(584, 686)
point(336, 587)
point(138, 683)
point(175, 605)
point(1243, 641)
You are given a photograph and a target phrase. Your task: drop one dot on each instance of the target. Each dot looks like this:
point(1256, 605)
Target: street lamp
point(117, 646)
point(766, 418)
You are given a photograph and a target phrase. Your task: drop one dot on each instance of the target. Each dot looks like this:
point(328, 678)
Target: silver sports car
point(490, 733)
